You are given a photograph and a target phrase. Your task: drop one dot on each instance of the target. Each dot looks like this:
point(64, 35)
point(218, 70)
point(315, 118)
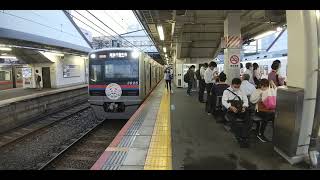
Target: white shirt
point(208, 75)
point(256, 96)
point(227, 95)
point(257, 73)
point(241, 71)
point(247, 88)
point(202, 70)
point(168, 74)
point(248, 71)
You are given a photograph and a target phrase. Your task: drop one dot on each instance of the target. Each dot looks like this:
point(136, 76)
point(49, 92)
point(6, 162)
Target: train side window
point(5, 75)
point(95, 73)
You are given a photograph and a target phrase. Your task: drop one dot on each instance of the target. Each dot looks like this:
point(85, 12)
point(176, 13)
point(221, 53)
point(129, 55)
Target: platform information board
point(71, 71)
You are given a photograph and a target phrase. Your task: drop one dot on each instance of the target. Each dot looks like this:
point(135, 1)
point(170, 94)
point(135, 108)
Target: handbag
point(236, 103)
point(269, 98)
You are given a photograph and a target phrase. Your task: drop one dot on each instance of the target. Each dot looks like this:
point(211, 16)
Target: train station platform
point(20, 94)
point(20, 106)
point(173, 132)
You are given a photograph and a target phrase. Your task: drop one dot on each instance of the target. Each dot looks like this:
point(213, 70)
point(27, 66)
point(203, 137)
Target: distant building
point(134, 37)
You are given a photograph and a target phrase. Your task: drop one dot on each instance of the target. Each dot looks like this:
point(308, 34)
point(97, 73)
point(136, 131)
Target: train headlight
point(93, 56)
point(135, 54)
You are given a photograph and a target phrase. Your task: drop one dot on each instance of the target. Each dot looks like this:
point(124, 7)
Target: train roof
point(114, 48)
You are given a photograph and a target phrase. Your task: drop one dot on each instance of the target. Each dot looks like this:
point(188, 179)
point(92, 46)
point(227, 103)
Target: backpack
point(39, 78)
point(186, 77)
point(198, 74)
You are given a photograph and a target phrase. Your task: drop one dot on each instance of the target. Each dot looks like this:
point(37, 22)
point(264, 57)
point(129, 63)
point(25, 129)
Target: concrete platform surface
point(198, 142)
point(21, 94)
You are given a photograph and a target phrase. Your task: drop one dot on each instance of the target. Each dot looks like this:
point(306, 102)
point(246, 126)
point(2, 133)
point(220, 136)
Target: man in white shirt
point(231, 98)
point(246, 87)
point(202, 83)
point(249, 71)
point(210, 76)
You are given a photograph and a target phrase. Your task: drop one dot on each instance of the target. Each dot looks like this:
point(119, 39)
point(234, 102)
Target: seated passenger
point(218, 88)
point(246, 87)
point(265, 114)
point(236, 102)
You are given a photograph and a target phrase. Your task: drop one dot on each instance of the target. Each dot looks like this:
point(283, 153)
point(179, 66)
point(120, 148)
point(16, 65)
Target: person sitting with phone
point(236, 102)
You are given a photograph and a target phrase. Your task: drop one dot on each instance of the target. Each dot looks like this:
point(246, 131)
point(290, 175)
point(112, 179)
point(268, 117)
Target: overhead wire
point(113, 30)
point(104, 35)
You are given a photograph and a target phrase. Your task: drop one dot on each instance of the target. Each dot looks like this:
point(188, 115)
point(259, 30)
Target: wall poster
point(71, 71)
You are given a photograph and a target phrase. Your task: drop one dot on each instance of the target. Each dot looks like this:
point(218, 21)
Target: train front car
point(114, 82)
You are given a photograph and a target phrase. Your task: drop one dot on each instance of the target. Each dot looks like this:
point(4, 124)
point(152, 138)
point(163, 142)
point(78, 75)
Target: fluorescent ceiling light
point(135, 54)
point(166, 55)
point(5, 49)
point(164, 49)
point(160, 31)
point(279, 28)
point(264, 35)
point(8, 57)
point(58, 54)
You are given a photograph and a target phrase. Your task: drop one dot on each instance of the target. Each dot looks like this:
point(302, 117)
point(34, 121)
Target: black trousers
point(168, 84)
point(209, 102)
point(202, 87)
point(240, 129)
point(266, 117)
point(189, 88)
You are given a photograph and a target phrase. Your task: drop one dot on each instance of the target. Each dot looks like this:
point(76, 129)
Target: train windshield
point(121, 69)
point(96, 73)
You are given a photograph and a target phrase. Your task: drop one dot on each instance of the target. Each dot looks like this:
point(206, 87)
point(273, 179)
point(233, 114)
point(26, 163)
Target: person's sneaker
point(171, 91)
point(209, 114)
point(262, 138)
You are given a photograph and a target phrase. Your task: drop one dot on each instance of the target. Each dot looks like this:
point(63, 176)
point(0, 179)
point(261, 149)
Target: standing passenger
point(250, 72)
point(256, 73)
point(168, 78)
point(191, 79)
point(241, 69)
point(210, 75)
point(274, 76)
point(202, 83)
point(38, 80)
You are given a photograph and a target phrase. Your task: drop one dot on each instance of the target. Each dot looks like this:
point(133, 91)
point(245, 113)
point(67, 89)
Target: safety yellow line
point(159, 155)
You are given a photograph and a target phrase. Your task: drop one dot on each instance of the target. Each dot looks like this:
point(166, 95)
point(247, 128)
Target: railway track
point(18, 134)
point(32, 148)
point(82, 151)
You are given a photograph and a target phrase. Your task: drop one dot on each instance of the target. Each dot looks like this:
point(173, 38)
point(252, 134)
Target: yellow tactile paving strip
point(159, 155)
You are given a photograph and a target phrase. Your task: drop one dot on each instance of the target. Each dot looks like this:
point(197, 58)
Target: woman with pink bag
point(265, 99)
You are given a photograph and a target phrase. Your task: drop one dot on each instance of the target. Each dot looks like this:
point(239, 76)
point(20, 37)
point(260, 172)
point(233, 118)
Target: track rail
point(67, 146)
point(54, 120)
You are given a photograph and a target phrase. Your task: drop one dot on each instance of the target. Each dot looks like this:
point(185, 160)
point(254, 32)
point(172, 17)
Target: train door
point(46, 77)
point(5, 77)
point(150, 76)
point(17, 77)
point(145, 77)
